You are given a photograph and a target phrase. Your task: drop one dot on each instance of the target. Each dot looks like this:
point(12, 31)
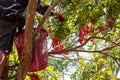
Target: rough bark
point(28, 41)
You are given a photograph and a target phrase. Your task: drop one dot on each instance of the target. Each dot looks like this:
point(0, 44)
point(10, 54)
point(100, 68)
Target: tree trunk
point(28, 41)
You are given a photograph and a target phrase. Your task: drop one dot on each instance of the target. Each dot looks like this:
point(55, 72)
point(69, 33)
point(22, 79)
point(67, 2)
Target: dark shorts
point(7, 32)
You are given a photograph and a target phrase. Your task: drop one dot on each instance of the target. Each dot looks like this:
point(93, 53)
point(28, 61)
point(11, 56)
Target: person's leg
point(7, 32)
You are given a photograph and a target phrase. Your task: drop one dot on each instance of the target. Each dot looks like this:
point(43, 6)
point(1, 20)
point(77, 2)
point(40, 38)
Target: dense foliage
point(84, 42)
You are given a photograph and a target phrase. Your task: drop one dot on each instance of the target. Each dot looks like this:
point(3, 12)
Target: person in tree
point(12, 17)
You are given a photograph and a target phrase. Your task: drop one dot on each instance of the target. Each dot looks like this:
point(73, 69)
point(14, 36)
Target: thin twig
point(58, 66)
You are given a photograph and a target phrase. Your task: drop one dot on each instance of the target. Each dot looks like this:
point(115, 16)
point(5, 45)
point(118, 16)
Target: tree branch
point(46, 15)
point(88, 51)
point(76, 48)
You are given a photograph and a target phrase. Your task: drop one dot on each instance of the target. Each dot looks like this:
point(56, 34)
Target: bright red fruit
point(58, 48)
point(110, 28)
point(55, 42)
point(59, 16)
point(34, 77)
point(80, 41)
point(83, 32)
point(81, 35)
point(92, 21)
point(101, 29)
point(62, 47)
point(109, 23)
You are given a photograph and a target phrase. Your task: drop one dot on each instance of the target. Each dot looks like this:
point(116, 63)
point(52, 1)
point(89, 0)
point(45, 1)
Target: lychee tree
point(83, 41)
